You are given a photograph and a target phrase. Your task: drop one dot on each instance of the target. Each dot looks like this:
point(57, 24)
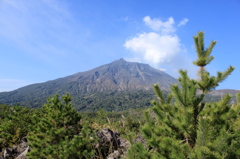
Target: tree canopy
point(187, 127)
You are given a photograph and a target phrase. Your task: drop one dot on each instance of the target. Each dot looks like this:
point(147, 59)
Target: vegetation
point(112, 101)
point(14, 122)
point(57, 132)
point(191, 128)
point(181, 124)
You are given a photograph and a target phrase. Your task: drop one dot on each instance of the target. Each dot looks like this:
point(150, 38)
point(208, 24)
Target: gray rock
point(108, 139)
point(114, 155)
point(17, 151)
point(111, 145)
point(23, 154)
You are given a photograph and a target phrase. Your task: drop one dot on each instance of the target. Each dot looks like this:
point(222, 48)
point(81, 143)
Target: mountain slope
point(119, 75)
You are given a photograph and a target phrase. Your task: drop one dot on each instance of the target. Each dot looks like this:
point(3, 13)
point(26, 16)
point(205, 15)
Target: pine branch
point(176, 93)
point(223, 75)
point(204, 57)
point(159, 93)
point(209, 49)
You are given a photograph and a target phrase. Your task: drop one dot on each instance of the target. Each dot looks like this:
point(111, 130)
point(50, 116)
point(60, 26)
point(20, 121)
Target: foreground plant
point(189, 127)
point(14, 122)
point(57, 132)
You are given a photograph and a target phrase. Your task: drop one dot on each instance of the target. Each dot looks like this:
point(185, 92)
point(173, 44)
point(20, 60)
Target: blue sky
point(42, 40)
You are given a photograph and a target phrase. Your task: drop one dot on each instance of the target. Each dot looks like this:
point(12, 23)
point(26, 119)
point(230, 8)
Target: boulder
point(17, 151)
point(111, 145)
point(114, 155)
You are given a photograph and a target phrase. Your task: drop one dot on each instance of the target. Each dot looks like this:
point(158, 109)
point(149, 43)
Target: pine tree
point(57, 132)
point(14, 122)
point(186, 127)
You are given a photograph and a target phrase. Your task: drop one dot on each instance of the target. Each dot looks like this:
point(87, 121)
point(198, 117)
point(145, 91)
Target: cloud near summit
point(160, 47)
point(154, 48)
point(158, 25)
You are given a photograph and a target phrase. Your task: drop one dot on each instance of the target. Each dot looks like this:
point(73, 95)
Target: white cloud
point(183, 22)
point(154, 48)
point(160, 48)
point(158, 25)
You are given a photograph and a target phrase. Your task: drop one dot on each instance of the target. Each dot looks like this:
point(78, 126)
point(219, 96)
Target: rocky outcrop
point(111, 145)
point(18, 152)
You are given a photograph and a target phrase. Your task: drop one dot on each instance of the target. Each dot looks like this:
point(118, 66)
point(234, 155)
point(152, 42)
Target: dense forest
point(113, 101)
point(110, 100)
point(179, 124)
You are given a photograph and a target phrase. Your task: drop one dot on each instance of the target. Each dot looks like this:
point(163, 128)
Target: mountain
point(222, 92)
point(119, 75)
point(216, 95)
